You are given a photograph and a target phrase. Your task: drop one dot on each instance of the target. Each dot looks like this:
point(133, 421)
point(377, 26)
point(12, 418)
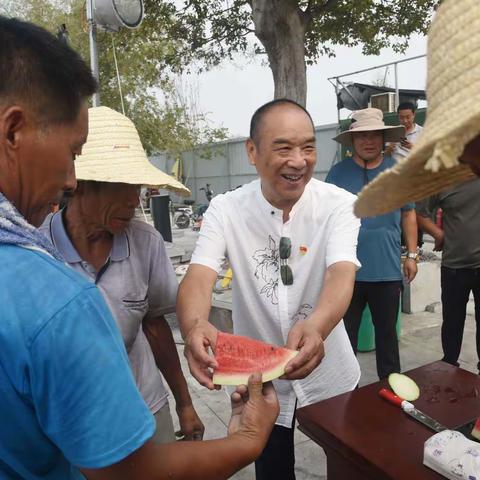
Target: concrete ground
point(419, 344)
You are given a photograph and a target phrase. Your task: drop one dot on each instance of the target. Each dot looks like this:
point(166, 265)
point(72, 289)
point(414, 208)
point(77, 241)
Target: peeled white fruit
point(404, 386)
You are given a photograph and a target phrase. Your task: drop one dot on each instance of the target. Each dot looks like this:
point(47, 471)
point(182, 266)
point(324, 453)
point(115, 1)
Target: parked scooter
point(209, 194)
point(182, 215)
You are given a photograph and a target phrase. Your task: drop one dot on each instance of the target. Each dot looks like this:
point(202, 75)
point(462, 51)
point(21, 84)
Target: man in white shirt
point(291, 242)
point(406, 117)
point(400, 150)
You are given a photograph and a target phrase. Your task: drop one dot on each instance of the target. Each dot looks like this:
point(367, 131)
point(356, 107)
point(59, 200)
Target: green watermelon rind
point(267, 375)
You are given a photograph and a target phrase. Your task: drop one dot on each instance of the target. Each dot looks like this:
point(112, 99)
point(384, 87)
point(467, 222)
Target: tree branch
point(221, 12)
point(224, 37)
point(314, 10)
point(224, 34)
point(186, 7)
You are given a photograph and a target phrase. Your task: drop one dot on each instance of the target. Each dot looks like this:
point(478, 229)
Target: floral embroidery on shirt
point(267, 270)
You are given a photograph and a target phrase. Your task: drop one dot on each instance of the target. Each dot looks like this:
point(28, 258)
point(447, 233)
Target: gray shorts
point(165, 432)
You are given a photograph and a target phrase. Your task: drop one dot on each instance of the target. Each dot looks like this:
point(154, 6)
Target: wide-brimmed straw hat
point(453, 117)
point(370, 119)
point(114, 153)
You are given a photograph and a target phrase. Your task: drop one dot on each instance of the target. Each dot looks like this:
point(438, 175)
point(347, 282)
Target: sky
point(231, 92)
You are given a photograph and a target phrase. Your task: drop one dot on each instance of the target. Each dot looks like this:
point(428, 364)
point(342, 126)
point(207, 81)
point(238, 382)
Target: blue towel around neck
point(15, 230)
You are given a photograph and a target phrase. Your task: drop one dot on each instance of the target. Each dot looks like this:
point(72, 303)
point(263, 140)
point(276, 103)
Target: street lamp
point(110, 15)
point(113, 14)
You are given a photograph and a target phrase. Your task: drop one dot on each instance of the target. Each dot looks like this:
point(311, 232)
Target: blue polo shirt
point(378, 248)
point(67, 395)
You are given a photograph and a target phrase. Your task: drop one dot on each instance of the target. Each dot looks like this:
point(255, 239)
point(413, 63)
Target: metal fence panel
point(228, 167)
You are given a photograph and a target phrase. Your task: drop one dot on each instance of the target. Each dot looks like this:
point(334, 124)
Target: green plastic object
point(366, 332)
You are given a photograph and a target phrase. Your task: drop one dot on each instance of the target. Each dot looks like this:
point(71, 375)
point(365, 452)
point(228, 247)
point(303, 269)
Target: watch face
point(130, 11)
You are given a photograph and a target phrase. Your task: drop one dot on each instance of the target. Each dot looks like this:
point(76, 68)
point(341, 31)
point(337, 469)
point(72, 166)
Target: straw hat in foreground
point(453, 120)
point(367, 120)
point(113, 153)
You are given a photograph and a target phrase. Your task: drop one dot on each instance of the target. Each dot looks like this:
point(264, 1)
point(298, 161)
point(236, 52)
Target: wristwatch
point(412, 255)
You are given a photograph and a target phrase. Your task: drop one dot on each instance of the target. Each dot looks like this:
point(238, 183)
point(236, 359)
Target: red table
point(365, 437)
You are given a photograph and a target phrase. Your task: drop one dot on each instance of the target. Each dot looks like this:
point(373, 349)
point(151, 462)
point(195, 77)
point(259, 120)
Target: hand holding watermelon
point(238, 357)
point(305, 337)
point(199, 340)
point(254, 411)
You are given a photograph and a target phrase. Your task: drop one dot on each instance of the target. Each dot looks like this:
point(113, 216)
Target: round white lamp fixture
point(113, 14)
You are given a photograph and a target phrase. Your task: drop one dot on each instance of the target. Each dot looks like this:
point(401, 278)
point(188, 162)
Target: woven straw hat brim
point(406, 182)
point(453, 117)
point(114, 153)
point(391, 134)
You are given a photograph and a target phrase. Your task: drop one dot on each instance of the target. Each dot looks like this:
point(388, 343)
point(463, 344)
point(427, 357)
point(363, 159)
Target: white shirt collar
point(275, 212)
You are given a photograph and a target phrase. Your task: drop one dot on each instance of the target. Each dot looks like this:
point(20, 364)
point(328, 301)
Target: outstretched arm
point(254, 412)
point(193, 308)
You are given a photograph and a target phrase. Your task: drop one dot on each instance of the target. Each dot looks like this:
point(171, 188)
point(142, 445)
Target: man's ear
point(251, 151)
point(12, 121)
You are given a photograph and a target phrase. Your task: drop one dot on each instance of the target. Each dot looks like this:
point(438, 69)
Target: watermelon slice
point(238, 357)
point(404, 386)
point(476, 429)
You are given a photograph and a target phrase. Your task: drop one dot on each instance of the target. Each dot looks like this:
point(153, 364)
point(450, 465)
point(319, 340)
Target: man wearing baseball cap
point(378, 282)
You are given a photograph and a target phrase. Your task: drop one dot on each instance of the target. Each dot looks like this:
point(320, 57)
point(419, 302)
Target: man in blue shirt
point(69, 406)
point(379, 280)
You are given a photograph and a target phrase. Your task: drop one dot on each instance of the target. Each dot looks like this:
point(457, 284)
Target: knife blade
point(411, 410)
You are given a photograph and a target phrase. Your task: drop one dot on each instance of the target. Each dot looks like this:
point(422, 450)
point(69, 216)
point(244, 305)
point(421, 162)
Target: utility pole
point(92, 32)
point(109, 15)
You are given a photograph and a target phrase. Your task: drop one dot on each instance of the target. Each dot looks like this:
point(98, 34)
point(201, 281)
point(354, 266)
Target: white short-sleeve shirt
point(242, 226)
point(138, 279)
point(399, 153)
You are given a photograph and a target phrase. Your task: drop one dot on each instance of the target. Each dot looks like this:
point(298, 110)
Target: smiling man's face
point(284, 154)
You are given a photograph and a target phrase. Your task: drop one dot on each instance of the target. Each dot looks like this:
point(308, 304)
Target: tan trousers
point(165, 432)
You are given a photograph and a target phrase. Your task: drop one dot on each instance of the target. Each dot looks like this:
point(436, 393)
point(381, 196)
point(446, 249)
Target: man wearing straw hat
point(127, 260)
point(68, 400)
point(447, 153)
point(379, 280)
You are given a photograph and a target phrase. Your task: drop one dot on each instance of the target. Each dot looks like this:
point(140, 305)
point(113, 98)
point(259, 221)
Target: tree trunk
point(280, 27)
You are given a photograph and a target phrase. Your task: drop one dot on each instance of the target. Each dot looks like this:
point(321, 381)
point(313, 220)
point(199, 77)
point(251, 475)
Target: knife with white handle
point(411, 410)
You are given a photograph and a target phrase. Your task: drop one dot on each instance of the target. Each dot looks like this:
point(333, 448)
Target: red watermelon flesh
point(238, 357)
point(476, 429)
